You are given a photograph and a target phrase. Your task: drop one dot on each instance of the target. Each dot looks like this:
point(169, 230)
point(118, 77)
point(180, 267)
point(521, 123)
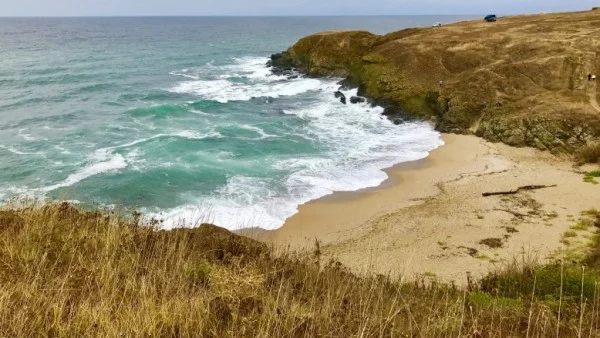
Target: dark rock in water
point(291, 77)
point(282, 64)
point(357, 99)
point(289, 72)
point(341, 96)
point(362, 91)
point(282, 59)
point(396, 115)
point(347, 84)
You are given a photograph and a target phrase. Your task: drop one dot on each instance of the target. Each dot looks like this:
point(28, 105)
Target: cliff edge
point(522, 80)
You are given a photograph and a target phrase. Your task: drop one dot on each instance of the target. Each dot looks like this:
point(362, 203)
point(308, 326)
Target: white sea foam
point(252, 68)
point(142, 124)
point(193, 135)
point(260, 82)
point(224, 91)
point(106, 160)
point(22, 192)
point(103, 161)
point(242, 203)
point(248, 67)
point(18, 152)
point(224, 155)
point(257, 130)
point(359, 143)
point(189, 134)
point(199, 112)
point(26, 136)
point(354, 144)
point(62, 150)
point(185, 75)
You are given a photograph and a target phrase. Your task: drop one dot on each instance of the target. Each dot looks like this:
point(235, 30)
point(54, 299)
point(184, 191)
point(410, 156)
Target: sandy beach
point(430, 217)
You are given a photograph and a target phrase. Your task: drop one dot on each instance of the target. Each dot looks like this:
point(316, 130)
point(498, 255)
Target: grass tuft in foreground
point(68, 273)
point(589, 154)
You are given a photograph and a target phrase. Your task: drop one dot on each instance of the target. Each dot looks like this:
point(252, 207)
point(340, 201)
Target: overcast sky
point(283, 7)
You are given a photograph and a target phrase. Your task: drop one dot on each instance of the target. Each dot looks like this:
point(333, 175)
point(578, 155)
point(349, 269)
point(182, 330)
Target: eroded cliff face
point(327, 53)
point(557, 136)
point(521, 81)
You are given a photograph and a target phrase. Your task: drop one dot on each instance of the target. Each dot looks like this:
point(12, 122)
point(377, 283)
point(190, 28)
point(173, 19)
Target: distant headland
point(521, 80)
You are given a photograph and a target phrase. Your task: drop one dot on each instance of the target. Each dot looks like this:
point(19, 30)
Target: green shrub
point(570, 234)
point(198, 273)
point(548, 280)
point(582, 225)
point(591, 212)
point(493, 243)
point(487, 300)
point(589, 154)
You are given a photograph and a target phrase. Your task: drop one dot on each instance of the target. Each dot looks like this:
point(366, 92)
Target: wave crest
point(257, 81)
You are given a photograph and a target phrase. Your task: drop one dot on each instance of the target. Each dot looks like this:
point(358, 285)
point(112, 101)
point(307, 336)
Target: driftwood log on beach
point(512, 192)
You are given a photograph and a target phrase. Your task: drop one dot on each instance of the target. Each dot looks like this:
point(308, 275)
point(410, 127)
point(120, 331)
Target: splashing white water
point(359, 143)
point(260, 83)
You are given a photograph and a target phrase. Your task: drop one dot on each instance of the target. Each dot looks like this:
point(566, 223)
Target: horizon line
point(251, 16)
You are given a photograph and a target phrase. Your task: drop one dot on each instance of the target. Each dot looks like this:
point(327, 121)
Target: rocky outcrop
point(282, 64)
point(341, 96)
point(357, 99)
point(521, 81)
point(327, 53)
point(557, 136)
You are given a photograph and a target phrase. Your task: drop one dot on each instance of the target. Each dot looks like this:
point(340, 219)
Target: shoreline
point(341, 196)
point(395, 177)
point(429, 216)
point(390, 181)
point(264, 235)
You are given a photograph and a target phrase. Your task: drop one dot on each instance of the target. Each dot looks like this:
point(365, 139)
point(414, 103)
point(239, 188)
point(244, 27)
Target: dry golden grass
point(522, 80)
point(589, 154)
point(535, 65)
point(67, 273)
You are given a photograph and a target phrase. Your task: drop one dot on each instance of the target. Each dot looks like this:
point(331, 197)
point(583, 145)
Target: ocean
point(181, 119)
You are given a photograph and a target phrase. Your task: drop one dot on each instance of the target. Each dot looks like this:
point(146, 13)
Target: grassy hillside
point(68, 273)
point(521, 80)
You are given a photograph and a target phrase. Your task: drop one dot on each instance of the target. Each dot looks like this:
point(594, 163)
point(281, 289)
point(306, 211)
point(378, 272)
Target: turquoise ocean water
point(180, 118)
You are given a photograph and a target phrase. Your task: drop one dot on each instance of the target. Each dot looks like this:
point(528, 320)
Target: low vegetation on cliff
point(69, 273)
point(522, 80)
point(589, 154)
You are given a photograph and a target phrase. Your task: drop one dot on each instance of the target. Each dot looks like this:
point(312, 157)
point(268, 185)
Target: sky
point(283, 7)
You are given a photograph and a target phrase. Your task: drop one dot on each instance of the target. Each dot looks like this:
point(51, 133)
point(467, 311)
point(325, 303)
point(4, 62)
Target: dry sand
point(430, 216)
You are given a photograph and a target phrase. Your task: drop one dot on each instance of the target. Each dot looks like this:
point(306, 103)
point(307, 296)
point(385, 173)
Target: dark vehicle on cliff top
point(490, 18)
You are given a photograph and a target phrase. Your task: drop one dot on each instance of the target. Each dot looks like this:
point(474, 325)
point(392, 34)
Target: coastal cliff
point(522, 80)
